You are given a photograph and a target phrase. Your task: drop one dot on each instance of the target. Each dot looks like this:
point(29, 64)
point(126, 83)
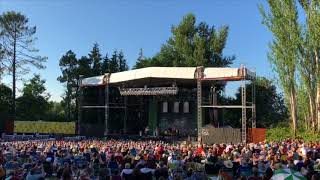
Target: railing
point(25, 137)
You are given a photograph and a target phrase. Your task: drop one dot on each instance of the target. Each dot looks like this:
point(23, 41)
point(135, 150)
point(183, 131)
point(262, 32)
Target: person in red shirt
point(157, 156)
point(220, 150)
point(159, 149)
point(200, 151)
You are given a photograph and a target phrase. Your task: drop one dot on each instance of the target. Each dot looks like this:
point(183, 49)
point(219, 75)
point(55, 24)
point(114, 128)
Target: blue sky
point(130, 25)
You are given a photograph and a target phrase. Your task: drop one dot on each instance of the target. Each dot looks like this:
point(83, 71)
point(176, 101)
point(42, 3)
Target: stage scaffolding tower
point(244, 111)
point(254, 121)
point(106, 111)
point(243, 77)
point(79, 102)
point(199, 76)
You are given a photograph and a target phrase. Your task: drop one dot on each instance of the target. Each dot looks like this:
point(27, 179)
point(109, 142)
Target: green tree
point(123, 66)
point(17, 39)
point(282, 21)
point(93, 65)
point(5, 98)
point(142, 61)
point(33, 104)
point(55, 112)
point(192, 44)
point(308, 85)
point(304, 114)
point(114, 63)
point(96, 59)
point(106, 64)
point(2, 67)
point(69, 68)
point(36, 87)
point(5, 103)
point(310, 63)
point(84, 66)
point(270, 105)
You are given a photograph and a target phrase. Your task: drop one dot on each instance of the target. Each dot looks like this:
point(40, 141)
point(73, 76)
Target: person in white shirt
point(126, 171)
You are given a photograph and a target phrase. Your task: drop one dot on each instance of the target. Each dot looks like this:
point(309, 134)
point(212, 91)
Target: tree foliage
point(191, 44)
point(304, 119)
point(84, 66)
point(142, 61)
point(96, 59)
point(123, 66)
point(270, 105)
point(295, 55)
point(310, 62)
point(5, 103)
point(17, 40)
point(114, 65)
point(106, 64)
point(1, 61)
point(69, 68)
point(33, 104)
point(55, 112)
point(92, 65)
point(282, 21)
point(5, 98)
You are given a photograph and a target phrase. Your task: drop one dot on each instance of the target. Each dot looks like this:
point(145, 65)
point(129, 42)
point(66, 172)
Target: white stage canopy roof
point(183, 73)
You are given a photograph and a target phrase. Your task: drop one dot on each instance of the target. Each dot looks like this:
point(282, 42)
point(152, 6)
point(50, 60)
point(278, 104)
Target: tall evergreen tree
point(114, 64)
point(84, 66)
point(123, 66)
point(17, 40)
point(142, 61)
point(69, 68)
point(106, 64)
point(96, 59)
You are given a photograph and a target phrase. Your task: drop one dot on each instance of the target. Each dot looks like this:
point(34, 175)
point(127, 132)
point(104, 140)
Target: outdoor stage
point(179, 100)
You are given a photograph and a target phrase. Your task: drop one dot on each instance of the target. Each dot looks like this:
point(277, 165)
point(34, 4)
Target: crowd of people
point(146, 159)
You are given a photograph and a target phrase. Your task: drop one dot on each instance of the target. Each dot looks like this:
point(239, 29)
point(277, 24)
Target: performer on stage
point(146, 130)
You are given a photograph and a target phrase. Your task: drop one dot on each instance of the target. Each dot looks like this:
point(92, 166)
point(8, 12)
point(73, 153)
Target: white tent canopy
point(183, 73)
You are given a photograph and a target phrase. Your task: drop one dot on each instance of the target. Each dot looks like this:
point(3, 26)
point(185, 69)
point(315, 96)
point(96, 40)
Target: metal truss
point(243, 77)
point(244, 112)
point(199, 76)
point(106, 102)
point(254, 121)
point(79, 99)
point(226, 106)
point(148, 91)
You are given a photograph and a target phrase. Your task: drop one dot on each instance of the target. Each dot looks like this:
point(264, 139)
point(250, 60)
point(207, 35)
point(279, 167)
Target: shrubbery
point(281, 133)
